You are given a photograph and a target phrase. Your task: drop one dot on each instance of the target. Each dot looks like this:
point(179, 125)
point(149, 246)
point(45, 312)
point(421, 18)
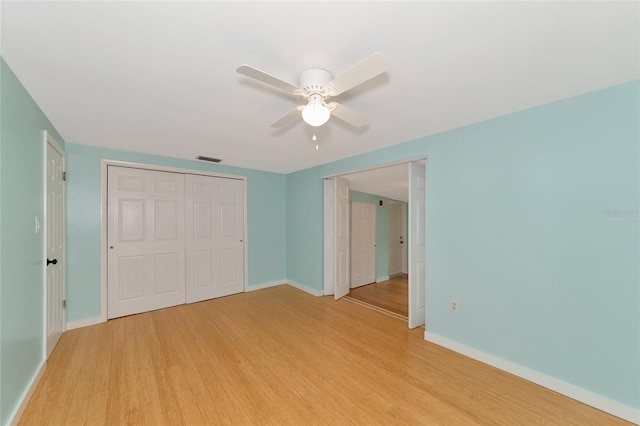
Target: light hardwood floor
point(280, 356)
point(391, 295)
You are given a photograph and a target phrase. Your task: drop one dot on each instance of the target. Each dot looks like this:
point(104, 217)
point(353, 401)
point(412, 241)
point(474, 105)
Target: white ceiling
point(159, 77)
point(391, 181)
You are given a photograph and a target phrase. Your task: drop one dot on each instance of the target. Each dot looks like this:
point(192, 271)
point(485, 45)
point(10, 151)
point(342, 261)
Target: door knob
point(54, 261)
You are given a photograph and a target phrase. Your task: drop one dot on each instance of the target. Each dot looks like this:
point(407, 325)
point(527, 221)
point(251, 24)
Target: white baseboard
point(15, 418)
point(84, 322)
point(380, 279)
point(579, 394)
point(265, 285)
point(305, 288)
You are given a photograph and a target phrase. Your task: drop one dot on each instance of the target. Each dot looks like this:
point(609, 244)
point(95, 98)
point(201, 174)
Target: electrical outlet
point(453, 306)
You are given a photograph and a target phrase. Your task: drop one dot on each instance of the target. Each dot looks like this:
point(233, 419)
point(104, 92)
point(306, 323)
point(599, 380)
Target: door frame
point(104, 165)
point(327, 284)
point(405, 232)
point(49, 140)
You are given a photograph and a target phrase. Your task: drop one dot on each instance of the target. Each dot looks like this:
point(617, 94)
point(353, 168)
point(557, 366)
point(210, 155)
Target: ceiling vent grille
point(210, 159)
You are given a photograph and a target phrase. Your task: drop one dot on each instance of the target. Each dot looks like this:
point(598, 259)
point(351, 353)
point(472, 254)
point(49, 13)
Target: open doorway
point(390, 286)
point(387, 288)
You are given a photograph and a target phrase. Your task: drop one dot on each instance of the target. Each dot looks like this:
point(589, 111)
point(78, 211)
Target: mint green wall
point(265, 222)
point(382, 228)
point(533, 228)
point(22, 191)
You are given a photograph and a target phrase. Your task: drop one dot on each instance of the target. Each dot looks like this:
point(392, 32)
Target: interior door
point(329, 225)
point(417, 244)
point(146, 239)
point(342, 238)
point(363, 244)
point(396, 242)
point(55, 315)
point(214, 237)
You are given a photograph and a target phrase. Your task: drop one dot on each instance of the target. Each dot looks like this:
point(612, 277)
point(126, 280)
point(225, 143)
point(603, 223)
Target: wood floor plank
point(391, 295)
point(279, 356)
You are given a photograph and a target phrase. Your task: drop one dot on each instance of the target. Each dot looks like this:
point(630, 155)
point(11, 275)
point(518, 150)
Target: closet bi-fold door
point(214, 237)
point(146, 239)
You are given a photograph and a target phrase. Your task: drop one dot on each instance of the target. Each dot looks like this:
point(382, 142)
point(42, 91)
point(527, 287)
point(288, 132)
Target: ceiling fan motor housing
point(314, 80)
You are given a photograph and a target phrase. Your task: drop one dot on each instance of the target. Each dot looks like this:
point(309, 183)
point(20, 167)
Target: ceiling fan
point(316, 85)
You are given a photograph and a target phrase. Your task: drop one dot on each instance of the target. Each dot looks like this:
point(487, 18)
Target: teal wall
point(265, 222)
point(382, 228)
point(533, 228)
point(22, 191)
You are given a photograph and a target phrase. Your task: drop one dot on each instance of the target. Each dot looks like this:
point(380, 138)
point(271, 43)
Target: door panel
point(342, 238)
point(132, 220)
point(215, 237)
point(417, 244)
point(131, 277)
point(166, 226)
point(55, 315)
point(146, 257)
point(329, 225)
point(363, 254)
point(369, 231)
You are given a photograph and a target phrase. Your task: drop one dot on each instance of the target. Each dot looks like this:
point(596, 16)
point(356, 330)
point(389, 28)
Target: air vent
point(212, 160)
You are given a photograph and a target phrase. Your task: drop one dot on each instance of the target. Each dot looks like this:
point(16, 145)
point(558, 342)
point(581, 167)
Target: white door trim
point(405, 249)
point(49, 140)
point(104, 164)
point(378, 166)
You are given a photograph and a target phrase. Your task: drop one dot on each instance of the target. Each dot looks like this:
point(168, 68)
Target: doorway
point(397, 190)
point(387, 288)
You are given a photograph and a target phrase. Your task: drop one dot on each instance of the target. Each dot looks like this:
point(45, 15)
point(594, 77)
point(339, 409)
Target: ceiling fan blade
point(347, 115)
point(262, 76)
point(368, 68)
point(292, 115)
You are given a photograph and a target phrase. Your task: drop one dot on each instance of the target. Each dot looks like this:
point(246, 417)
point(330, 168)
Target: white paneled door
point(363, 244)
point(146, 240)
point(341, 239)
point(214, 237)
point(55, 247)
point(417, 244)
point(329, 225)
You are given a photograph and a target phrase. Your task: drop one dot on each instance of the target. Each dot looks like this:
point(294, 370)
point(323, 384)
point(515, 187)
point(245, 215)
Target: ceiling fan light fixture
point(315, 113)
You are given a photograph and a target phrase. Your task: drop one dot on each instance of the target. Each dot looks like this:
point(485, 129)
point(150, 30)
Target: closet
point(172, 238)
